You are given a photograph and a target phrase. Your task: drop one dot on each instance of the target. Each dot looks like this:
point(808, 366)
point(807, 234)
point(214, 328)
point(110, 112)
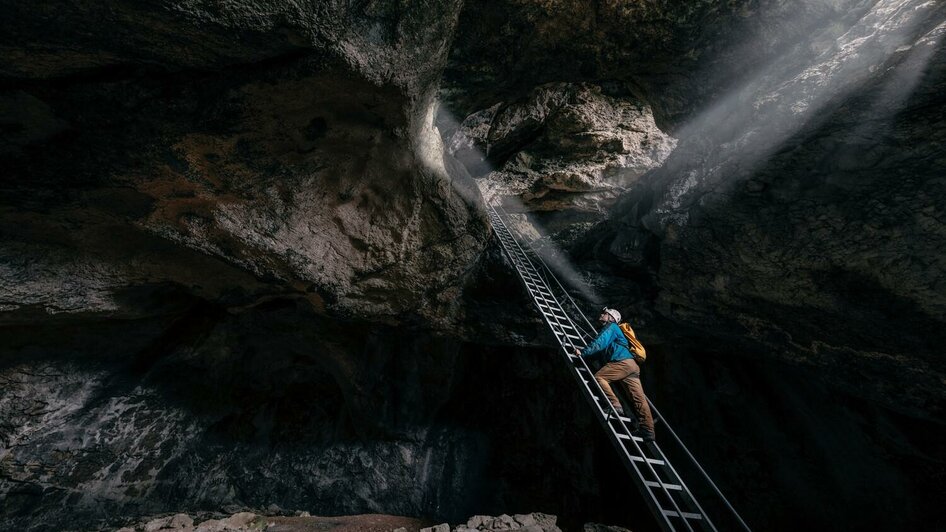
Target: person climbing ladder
point(620, 365)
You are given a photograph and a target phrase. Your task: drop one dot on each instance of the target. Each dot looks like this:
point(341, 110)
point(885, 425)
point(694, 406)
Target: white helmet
point(614, 314)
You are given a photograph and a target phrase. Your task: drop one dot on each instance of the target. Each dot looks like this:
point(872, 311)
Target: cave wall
point(204, 412)
point(810, 227)
point(295, 146)
point(237, 267)
point(181, 179)
point(276, 406)
point(794, 233)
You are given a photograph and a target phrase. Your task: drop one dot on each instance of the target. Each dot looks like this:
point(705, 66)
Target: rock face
point(183, 178)
point(249, 521)
point(213, 409)
point(239, 264)
point(534, 522)
point(676, 57)
point(279, 157)
point(563, 147)
point(827, 249)
point(797, 222)
point(801, 219)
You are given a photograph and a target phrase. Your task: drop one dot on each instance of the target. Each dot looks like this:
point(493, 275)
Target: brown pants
point(629, 373)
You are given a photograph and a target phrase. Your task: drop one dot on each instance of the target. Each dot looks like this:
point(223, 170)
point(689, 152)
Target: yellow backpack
point(640, 354)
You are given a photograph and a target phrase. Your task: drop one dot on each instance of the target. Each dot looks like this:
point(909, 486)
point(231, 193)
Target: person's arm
point(600, 343)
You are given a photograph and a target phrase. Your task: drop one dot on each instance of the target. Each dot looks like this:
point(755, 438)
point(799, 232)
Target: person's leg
point(610, 372)
point(633, 387)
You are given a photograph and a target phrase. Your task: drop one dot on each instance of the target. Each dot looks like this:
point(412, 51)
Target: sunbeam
point(431, 152)
point(757, 118)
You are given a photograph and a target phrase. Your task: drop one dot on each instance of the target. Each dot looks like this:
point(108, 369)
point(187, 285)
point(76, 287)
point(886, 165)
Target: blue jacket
point(610, 340)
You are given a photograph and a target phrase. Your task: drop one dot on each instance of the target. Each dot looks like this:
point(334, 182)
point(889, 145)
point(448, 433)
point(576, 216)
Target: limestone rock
point(157, 524)
point(238, 522)
point(476, 521)
point(534, 522)
point(766, 242)
point(565, 146)
point(265, 193)
point(525, 519)
point(596, 527)
point(235, 260)
point(175, 522)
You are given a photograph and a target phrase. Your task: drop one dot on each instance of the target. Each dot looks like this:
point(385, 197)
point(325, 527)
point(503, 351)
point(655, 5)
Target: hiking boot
point(644, 434)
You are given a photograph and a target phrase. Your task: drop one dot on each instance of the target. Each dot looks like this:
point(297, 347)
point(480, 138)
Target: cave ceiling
point(214, 213)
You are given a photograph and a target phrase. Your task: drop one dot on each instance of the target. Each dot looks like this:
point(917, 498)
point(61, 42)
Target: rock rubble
point(302, 521)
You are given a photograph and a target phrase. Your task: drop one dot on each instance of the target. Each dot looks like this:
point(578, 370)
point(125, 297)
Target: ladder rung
point(653, 484)
point(563, 320)
point(527, 263)
point(649, 460)
point(625, 419)
point(572, 338)
point(686, 515)
point(545, 296)
point(559, 330)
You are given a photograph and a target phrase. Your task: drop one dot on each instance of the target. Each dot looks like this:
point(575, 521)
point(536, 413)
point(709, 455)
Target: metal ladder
point(668, 497)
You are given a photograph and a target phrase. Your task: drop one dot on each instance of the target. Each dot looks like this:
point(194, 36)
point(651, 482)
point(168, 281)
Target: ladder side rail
point(553, 276)
point(700, 468)
point(527, 264)
point(686, 490)
point(586, 333)
point(630, 464)
point(562, 295)
point(537, 296)
point(603, 418)
point(521, 263)
point(660, 452)
point(553, 320)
